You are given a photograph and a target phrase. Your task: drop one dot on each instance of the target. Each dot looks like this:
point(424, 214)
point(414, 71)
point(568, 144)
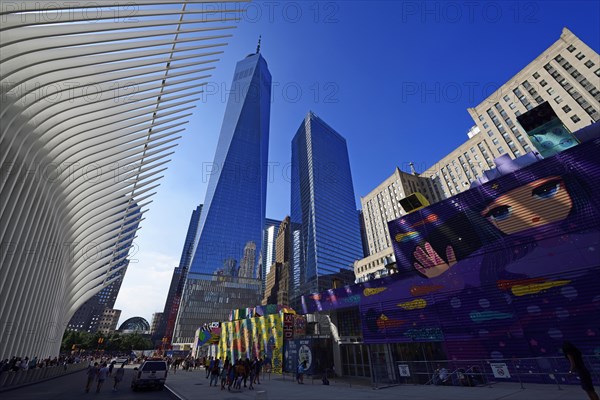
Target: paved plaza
point(193, 385)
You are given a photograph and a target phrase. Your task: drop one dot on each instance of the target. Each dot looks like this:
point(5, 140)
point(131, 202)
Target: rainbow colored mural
point(253, 337)
point(506, 269)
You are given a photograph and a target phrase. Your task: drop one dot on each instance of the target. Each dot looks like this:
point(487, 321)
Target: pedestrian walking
point(230, 376)
point(208, 366)
point(252, 371)
point(573, 354)
point(300, 374)
point(224, 372)
point(91, 373)
point(119, 374)
point(214, 373)
point(102, 375)
point(110, 368)
point(257, 369)
point(240, 372)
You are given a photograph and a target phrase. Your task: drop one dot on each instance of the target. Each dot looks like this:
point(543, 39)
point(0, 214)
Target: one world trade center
point(223, 274)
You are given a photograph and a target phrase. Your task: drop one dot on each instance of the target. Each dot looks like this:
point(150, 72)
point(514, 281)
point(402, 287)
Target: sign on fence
point(403, 369)
point(500, 370)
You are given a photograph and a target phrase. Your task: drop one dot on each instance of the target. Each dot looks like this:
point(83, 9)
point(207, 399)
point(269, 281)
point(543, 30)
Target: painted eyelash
point(543, 191)
point(504, 209)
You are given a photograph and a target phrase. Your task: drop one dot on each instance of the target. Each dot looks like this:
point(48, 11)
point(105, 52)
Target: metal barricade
point(486, 372)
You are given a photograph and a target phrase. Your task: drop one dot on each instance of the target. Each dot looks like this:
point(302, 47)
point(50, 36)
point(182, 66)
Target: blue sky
point(394, 78)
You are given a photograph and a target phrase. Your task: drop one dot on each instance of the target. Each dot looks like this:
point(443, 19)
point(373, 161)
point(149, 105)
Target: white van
point(152, 373)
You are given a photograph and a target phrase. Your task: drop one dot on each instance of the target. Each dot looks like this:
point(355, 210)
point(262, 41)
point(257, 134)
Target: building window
point(571, 48)
point(495, 141)
point(517, 153)
point(536, 75)
point(512, 106)
point(589, 64)
point(543, 83)
point(580, 56)
point(566, 109)
point(575, 118)
point(485, 125)
point(550, 91)
point(500, 150)
point(481, 117)
point(558, 58)
point(517, 113)
point(558, 99)
point(597, 72)
point(590, 110)
point(506, 98)
point(490, 133)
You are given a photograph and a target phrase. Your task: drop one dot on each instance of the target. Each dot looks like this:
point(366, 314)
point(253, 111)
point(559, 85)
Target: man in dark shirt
point(573, 354)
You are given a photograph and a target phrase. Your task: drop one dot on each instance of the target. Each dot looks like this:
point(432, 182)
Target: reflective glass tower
point(267, 255)
point(223, 272)
point(325, 230)
point(164, 331)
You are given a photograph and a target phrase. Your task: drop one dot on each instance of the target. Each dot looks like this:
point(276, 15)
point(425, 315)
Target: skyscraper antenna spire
point(412, 168)
point(258, 46)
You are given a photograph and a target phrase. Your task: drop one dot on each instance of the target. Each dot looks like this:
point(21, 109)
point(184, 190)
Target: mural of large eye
point(547, 190)
point(499, 213)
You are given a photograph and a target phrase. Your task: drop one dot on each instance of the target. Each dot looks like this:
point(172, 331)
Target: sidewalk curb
point(173, 393)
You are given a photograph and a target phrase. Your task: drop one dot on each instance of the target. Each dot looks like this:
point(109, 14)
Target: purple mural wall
point(506, 269)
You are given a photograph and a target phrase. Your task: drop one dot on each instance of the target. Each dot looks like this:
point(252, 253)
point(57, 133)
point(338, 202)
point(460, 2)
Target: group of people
point(186, 364)
point(232, 375)
point(25, 363)
point(101, 372)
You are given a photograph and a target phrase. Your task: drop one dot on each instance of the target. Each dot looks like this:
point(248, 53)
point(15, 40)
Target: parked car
point(120, 360)
point(152, 373)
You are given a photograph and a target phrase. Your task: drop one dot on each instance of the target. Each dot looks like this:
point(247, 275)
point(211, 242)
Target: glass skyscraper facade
point(167, 322)
point(267, 254)
point(223, 272)
point(325, 229)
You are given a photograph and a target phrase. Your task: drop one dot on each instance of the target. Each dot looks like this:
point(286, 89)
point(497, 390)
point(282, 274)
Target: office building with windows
point(381, 205)
point(89, 316)
point(164, 331)
point(566, 75)
point(156, 321)
point(267, 254)
point(230, 232)
point(325, 230)
point(108, 321)
point(278, 278)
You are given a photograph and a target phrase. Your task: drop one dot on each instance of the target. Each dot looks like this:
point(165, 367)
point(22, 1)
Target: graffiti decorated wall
point(506, 269)
point(253, 337)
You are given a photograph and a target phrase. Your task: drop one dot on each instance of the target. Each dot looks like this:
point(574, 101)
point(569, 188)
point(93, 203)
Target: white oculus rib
point(93, 98)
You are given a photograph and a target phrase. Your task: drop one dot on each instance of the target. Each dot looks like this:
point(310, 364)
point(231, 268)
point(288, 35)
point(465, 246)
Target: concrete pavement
point(71, 387)
point(193, 385)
